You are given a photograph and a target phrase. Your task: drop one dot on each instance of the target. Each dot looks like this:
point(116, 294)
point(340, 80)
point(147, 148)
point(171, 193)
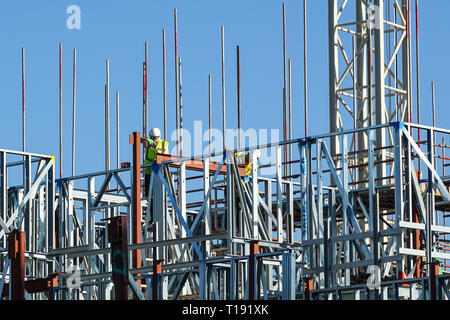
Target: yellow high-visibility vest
point(240, 157)
point(153, 149)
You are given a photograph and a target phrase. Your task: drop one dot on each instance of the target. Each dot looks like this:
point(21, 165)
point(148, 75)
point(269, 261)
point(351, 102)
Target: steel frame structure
point(216, 235)
point(370, 79)
point(27, 204)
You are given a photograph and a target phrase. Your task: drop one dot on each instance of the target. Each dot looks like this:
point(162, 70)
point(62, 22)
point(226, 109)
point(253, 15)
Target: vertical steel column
point(373, 204)
point(416, 238)
point(320, 211)
point(229, 202)
point(91, 230)
point(279, 195)
point(333, 232)
point(117, 237)
point(3, 191)
point(255, 195)
point(182, 183)
point(434, 271)
point(49, 204)
point(16, 252)
point(311, 229)
point(398, 172)
point(69, 225)
point(290, 213)
point(159, 212)
point(333, 74)
point(207, 219)
point(289, 276)
point(223, 88)
point(431, 199)
point(302, 151)
point(327, 246)
point(380, 87)
point(27, 210)
point(204, 281)
point(361, 83)
point(156, 278)
point(135, 140)
point(345, 207)
point(254, 250)
point(269, 222)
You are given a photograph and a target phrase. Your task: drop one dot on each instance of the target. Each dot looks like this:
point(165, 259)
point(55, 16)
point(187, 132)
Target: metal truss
point(370, 70)
point(209, 232)
point(27, 203)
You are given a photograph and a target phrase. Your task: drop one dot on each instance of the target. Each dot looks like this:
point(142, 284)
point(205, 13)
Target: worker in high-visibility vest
point(244, 158)
point(154, 145)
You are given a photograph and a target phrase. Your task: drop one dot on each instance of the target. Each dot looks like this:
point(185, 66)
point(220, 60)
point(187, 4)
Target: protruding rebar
point(305, 67)
point(117, 131)
point(433, 104)
point(418, 75)
point(210, 111)
point(238, 75)
point(223, 87)
point(180, 107)
point(107, 154)
point(434, 115)
point(164, 86)
point(290, 117)
point(284, 91)
point(23, 99)
point(73, 108)
point(176, 78)
point(145, 98)
point(60, 113)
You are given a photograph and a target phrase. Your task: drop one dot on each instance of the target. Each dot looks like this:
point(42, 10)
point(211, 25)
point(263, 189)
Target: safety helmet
point(155, 134)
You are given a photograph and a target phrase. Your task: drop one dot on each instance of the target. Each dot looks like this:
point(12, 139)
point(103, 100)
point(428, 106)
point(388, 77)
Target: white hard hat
point(155, 133)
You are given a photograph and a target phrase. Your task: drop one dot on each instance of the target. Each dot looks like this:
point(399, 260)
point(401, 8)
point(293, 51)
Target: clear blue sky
point(118, 30)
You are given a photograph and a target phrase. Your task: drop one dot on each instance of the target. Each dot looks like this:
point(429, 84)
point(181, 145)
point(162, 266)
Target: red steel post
point(434, 271)
point(309, 286)
point(16, 252)
point(254, 250)
point(157, 268)
point(135, 140)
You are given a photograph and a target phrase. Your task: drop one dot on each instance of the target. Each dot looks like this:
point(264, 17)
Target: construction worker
point(154, 145)
point(244, 159)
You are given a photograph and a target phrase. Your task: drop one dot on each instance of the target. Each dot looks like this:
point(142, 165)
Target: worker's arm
point(146, 142)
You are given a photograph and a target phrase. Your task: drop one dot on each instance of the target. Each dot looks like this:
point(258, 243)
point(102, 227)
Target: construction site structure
point(362, 213)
